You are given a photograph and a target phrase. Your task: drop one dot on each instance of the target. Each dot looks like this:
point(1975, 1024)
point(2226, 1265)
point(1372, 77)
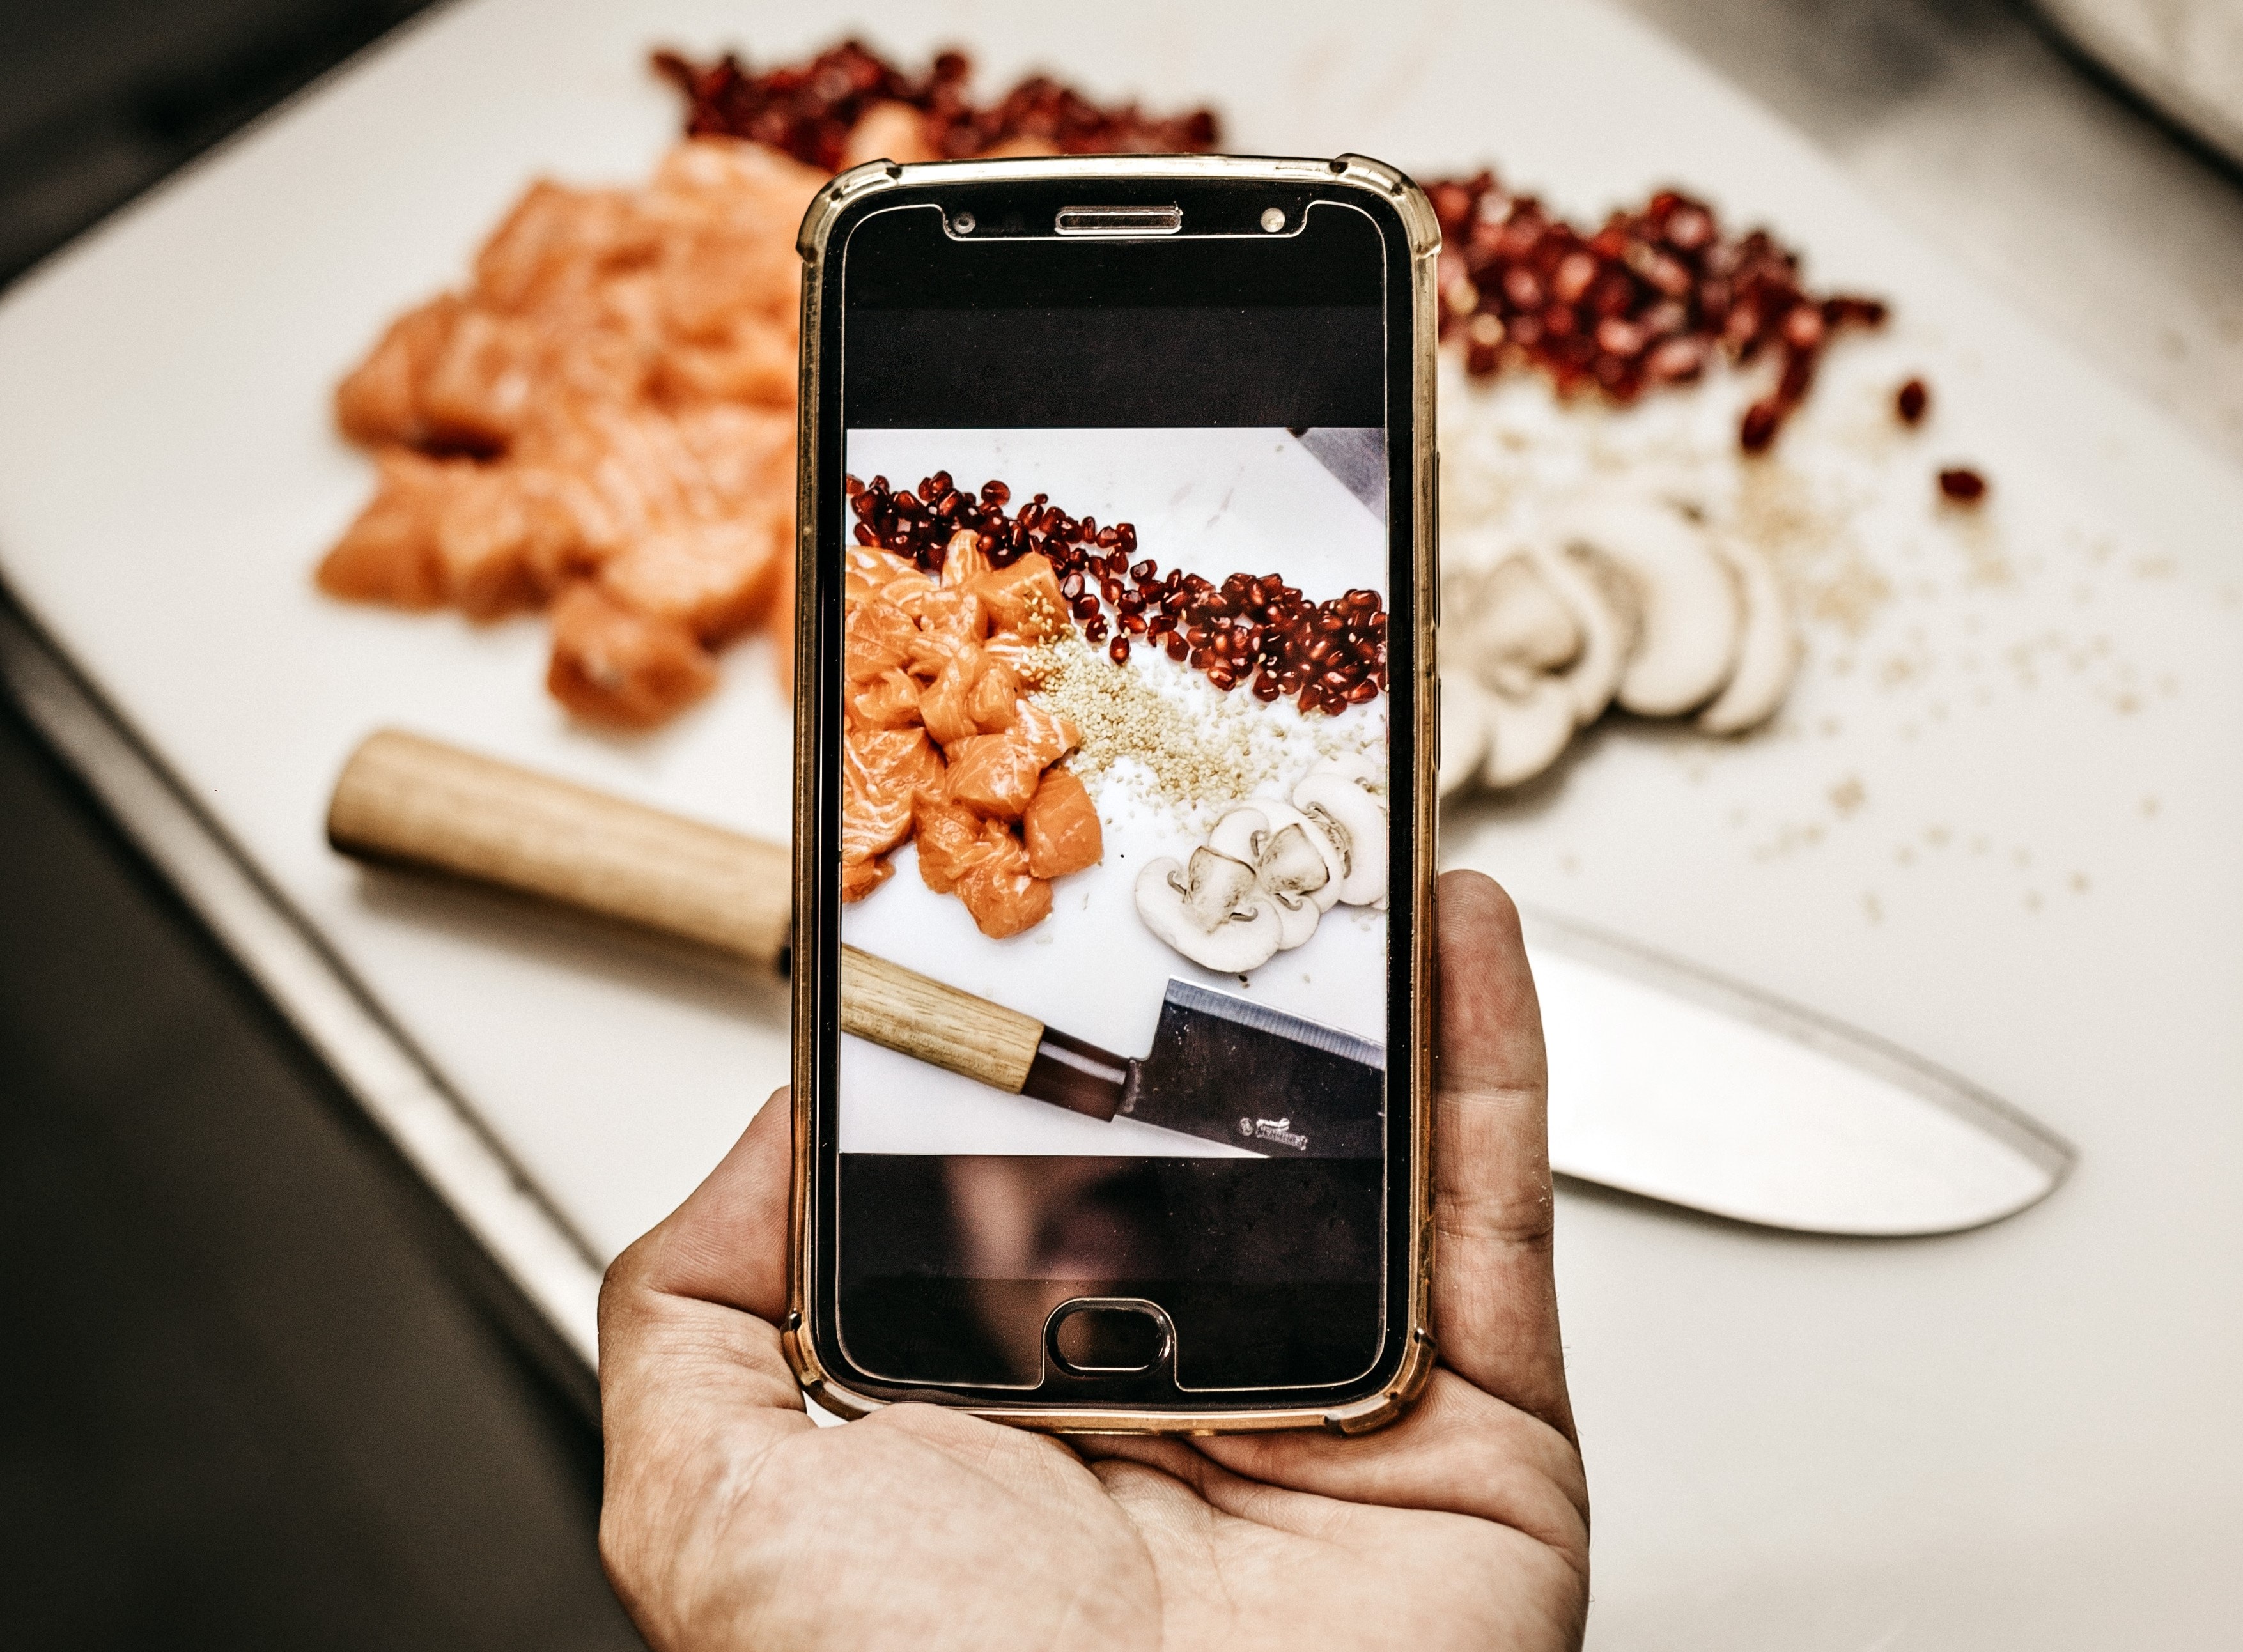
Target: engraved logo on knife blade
point(1277, 1130)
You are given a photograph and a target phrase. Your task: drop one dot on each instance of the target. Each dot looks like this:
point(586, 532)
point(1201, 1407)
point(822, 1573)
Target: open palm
point(732, 1521)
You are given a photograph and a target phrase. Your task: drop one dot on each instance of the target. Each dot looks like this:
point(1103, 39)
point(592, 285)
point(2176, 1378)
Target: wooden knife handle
point(404, 799)
point(919, 1017)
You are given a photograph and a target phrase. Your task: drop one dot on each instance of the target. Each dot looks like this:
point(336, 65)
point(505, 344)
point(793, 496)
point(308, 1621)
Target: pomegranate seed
point(1622, 338)
point(1118, 650)
point(1963, 485)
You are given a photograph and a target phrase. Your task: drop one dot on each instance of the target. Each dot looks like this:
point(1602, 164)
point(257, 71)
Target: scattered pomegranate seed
point(807, 109)
point(1644, 301)
point(1913, 401)
point(1963, 485)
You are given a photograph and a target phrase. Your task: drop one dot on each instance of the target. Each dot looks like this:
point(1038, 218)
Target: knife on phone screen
point(1666, 1081)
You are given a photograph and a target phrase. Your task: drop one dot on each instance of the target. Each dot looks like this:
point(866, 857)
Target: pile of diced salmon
point(941, 741)
point(601, 424)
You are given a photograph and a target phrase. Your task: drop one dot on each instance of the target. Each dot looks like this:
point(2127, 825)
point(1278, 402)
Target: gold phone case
point(1350, 172)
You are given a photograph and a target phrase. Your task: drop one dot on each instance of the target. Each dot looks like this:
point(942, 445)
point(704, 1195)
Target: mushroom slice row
point(1546, 633)
point(1635, 601)
point(1270, 869)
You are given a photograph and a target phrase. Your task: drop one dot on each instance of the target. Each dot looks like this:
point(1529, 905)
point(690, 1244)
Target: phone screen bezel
point(1011, 200)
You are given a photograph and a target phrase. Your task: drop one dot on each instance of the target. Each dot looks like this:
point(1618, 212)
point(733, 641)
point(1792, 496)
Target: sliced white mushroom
point(1215, 886)
point(1352, 765)
point(1173, 900)
point(1464, 731)
point(1767, 657)
point(1692, 616)
point(1290, 863)
point(1297, 917)
point(1530, 719)
point(1291, 871)
point(1605, 601)
point(1281, 814)
point(1240, 833)
point(1289, 868)
point(1355, 823)
point(1510, 613)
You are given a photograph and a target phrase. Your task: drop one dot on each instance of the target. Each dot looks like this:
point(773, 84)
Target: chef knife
point(1669, 1081)
point(1665, 1081)
point(1221, 1068)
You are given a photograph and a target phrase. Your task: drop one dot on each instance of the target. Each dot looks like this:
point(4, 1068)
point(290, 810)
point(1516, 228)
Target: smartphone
point(1113, 837)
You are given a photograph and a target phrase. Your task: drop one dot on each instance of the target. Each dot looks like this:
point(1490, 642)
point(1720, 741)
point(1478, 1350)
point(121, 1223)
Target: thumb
point(689, 1314)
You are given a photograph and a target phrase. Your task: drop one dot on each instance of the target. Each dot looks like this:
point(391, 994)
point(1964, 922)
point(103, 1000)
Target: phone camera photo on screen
point(1114, 848)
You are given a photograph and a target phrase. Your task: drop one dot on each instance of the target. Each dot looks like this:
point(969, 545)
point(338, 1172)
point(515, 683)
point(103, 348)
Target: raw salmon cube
point(888, 130)
point(479, 387)
point(1003, 895)
point(949, 841)
point(883, 771)
point(712, 578)
point(992, 774)
point(866, 570)
point(996, 704)
point(878, 638)
point(611, 665)
point(909, 592)
point(746, 453)
point(381, 400)
point(1061, 827)
point(891, 703)
point(860, 878)
point(997, 774)
point(758, 362)
point(557, 236)
point(950, 615)
point(947, 707)
point(963, 560)
point(1046, 735)
point(483, 540)
point(389, 553)
point(1024, 599)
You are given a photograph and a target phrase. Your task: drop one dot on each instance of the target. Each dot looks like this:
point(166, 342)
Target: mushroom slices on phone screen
point(1270, 869)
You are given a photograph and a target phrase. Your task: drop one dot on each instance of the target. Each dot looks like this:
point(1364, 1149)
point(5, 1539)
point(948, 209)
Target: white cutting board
point(2025, 1437)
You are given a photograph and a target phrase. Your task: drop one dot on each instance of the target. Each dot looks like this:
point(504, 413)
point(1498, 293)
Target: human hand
point(732, 1521)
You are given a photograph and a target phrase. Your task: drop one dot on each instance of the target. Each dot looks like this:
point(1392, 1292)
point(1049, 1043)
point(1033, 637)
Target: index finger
point(1495, 1296)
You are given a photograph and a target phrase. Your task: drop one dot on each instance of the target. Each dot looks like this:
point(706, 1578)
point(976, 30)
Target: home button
point(1109, 1334)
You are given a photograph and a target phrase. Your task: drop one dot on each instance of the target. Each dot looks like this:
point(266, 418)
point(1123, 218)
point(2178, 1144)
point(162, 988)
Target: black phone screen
point(1114, 586)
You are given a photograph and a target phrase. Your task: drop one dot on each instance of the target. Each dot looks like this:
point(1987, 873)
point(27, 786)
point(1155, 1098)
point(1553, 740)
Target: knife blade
point(1671, 1083)
point(1356, 457)
point(1221, 1068)
point(1249, 1075)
